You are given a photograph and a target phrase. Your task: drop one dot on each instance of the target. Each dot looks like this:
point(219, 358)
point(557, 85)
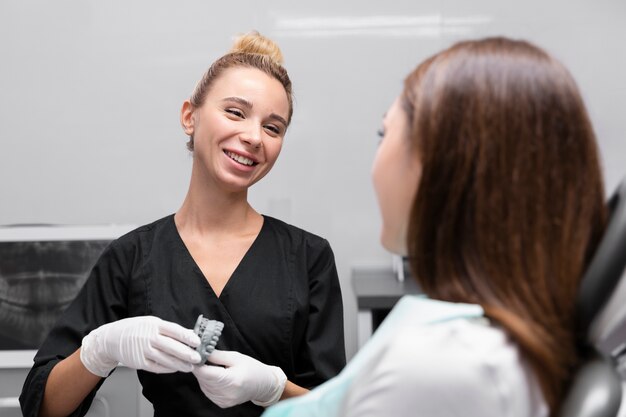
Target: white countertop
point(16, 358)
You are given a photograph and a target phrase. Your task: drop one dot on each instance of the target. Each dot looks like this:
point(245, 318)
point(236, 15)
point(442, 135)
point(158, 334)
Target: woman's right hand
point(147, 342)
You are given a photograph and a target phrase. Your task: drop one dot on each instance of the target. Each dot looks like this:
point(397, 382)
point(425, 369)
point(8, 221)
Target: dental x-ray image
point(38, 281)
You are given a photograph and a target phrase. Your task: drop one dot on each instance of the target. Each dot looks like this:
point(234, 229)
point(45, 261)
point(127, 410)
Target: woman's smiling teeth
point(241, 159)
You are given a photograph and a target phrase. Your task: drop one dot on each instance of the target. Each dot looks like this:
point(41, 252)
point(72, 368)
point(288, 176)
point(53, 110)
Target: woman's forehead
point(251, 85)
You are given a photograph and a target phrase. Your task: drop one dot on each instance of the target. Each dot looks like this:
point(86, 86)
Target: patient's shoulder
point(462, 366)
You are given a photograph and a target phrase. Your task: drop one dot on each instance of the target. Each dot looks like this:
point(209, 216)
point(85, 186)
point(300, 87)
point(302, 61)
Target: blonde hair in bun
point(255, 43)
point(251, 50)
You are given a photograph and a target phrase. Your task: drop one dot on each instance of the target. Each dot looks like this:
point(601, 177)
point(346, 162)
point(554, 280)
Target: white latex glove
point(146, 342)
point(243, 379)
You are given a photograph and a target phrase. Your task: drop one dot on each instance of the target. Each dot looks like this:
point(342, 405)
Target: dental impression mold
point(209, 332)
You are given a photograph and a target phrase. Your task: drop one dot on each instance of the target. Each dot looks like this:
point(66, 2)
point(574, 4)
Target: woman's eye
point(235, 112)
point(274, 129)
point(381, 133)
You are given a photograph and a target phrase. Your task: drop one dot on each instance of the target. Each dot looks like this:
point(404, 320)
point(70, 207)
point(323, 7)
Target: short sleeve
point(323, 354)
point(102, 299)
point(461, 369)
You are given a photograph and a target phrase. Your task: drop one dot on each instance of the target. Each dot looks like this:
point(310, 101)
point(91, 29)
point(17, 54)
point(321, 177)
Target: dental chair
point(596, 390)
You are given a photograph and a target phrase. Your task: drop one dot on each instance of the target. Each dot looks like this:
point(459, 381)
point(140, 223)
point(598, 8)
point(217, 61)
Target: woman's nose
point(252, 135)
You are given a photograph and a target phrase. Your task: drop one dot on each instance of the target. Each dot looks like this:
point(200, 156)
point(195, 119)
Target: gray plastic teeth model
point(209, 332)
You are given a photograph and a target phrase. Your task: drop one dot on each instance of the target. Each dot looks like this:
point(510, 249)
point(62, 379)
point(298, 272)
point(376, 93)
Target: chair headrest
point(607, 265)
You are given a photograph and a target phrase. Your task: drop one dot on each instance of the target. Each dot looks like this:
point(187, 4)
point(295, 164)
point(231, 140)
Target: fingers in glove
point(176, 349)
point(224, 357)
point(209, 373)
point(178, 332)
point(157, 368)
point(168, 361)
point(217, 385)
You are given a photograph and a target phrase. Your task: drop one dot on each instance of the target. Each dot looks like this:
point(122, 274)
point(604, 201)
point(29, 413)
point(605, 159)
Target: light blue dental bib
point(326, 400)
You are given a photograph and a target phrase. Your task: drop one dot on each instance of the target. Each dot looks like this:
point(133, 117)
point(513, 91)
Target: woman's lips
point(241, 159)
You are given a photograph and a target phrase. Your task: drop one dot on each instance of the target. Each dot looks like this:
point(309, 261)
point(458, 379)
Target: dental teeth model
point(209, 332)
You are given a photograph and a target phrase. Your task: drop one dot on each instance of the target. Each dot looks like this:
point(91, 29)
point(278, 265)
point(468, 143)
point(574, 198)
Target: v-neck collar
point(190, 258)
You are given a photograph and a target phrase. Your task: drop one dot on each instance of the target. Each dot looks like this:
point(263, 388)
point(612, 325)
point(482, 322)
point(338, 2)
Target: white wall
point(90, 93)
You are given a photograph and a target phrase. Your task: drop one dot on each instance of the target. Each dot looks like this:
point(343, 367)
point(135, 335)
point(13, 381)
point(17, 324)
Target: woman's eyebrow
point(274, 116)
point(245, 103)
point(239, 100)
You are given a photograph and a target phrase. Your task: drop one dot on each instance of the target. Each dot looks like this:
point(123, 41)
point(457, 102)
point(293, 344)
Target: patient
point(488, 179)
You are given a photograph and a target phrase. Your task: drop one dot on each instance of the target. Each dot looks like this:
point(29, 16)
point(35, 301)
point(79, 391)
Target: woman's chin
point(394, 246)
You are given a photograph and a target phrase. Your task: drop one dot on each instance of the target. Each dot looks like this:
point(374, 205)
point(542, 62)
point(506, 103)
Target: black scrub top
point(282, 305)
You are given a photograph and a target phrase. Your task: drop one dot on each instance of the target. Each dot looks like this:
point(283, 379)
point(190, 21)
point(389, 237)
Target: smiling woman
point(237, 132)
point(274, 286)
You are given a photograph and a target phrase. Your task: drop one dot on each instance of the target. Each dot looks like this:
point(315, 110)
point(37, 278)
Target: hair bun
point(255, 43)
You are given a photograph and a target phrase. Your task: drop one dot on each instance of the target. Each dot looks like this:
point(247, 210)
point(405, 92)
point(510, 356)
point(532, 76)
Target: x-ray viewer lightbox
point(42, 268)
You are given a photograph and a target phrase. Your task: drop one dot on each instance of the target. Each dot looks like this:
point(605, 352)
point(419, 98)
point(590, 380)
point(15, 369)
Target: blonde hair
point(255, 43)
point(251, 50)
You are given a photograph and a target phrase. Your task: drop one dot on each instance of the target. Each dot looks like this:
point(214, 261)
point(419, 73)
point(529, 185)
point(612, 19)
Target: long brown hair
point(510, 205)
point(251, 50)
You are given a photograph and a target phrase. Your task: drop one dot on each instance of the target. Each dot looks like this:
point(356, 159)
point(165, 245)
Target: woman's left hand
point(240, 378)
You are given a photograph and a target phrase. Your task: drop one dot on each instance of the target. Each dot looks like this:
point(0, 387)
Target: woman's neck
point(210, 210)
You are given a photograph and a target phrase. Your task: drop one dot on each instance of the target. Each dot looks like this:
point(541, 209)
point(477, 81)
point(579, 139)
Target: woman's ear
point(187, 120)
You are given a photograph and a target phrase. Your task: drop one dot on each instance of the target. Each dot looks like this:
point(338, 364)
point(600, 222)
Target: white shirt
point(463, 367)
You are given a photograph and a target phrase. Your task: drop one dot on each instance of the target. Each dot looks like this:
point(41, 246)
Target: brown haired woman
point(274, 286)
point(488, 179)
